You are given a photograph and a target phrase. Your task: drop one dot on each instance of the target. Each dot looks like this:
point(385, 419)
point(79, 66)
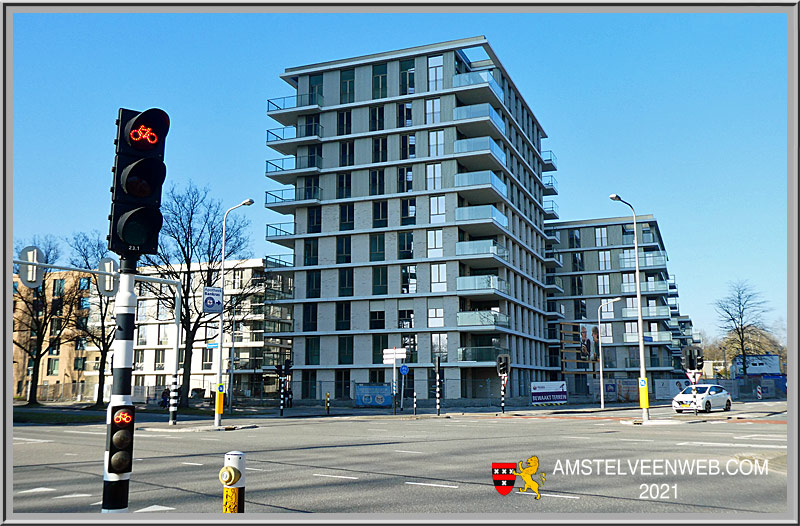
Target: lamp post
point(642, 373)
point(600, 345)
point(218, 412)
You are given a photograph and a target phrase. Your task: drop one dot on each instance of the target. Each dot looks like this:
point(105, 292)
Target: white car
point(708, 397)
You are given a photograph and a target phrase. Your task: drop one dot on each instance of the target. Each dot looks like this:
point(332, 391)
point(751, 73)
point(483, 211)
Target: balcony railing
point(294, 101)
point(549, 158)
point(647, 286)
point(554, 280)
point(482, 177)
point(279, 261)
point(554, 255)
point(279, 294)
point(305, 193)
point(480, 354)
point(550, 182)
point(554, 235)
point(280, 230)
point(470, 213)
point(483, 247)
point(550, 207)
point(478, 77)
point(477, 144)
point(485, 318)
point(646, 259)
point(464, 283)
point(660, 336)
point(632, 312)
point(646, 237)
point(479, 110)
point(300, 162)
point(312, 129)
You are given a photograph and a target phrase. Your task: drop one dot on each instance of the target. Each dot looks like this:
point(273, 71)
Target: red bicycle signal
point(144, 133)
point(122, 417)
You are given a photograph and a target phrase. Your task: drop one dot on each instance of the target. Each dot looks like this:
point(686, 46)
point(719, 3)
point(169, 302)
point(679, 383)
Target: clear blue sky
point(683, 115)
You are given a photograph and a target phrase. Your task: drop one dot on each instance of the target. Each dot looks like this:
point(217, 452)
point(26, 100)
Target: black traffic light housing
point(279, 369)
point(689, 358)
point(287, 367)
point(699, 360)
point(502, 364)
point(139, 174)
point(120, 439)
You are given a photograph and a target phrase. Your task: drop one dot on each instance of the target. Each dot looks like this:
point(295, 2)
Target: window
point(52, 366)
point(58, 287)
point(577, 261)
point(341, 387)
point(55, 326)
point(238, 278)
point(162, 311)
point(163, 336)
point(342, 315)
point(433, 176)
point(405, 319)
point(83, 303)
point(380, 214)
point(309, 317)
point(80, 344)
point(404, 115)
point(83, 284)
point(433, 113)
point(138, 360)
point(346, 282)
point(409, 341)
point(405, 245)
point(54, 348)
point(312, 350)
point(376, 182)
point(435, 243)
point(631, 303)
point(435, 143)
point(311, 251)
point(408, 146)
point(408, 211)
point(377, 376)
point(313, 283)
point(605, 333)
point(405, 179)
point(346, 86)
point(579, 308)
point(439, 277)
point(79, 364)
point(347, 153)
point(408, 279)
point(377, 247)
point(208, 358)
point(602, 284)
point(377, 319)
point(607, 311)
point(345, 350)
point(628, 281)
point(601, 237)
point(159, 360)
point(344, 123)
point(435, 73)
point(604, 259)
point(314, 218)
point(435, 317)
point(439, 346)
point(346, 216)
point(577, 285)
point(631, 327)
point(379, 343)
point(343, 249)
point(379, 86)
point(308, 387)
point(407, 77)
point(343, 186)
point(141, 335)
point(376, 120)
point(380, 280)
point(574, 235)
point(82, 323)
point(437, 209)
point(315, 89)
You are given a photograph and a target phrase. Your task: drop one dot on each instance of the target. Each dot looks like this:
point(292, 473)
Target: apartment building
point(416, 182)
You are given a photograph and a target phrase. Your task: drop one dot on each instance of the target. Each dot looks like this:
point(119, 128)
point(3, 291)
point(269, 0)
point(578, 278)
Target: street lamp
point(600, 345)
point(218, 412)
point(642, 372)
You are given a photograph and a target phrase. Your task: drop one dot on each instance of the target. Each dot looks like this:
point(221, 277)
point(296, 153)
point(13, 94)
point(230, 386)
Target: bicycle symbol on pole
point(144, 133)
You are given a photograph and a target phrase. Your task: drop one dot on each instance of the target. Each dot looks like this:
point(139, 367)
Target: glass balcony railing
point(647, 286)
point(486, 318)
point(465, 283)
point(279, 261)
point(646, 237)
point(306, 193)
point(294, 101)
point(280, 229)
point(294, 132)
point(549, 158)
point(649, 337)
point(479, 110)
point(483, 247)
point(550, 182)
point(470, 213)
point(554, 280)
point(550, 207)
point(482, 177)
point(554, 235)
point(480, 354)
point(478, 77)
point(301, 162)
point(646, 259)
point(554, 255)
point(477, 144)
point(279, 294)
point(632, 312)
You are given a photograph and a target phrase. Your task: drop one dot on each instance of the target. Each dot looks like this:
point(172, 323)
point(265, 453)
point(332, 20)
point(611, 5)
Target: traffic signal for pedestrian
point(502, 364)
point(139, 174)
point(120, 439)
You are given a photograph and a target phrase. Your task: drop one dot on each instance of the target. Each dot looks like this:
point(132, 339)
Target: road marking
point(191, 463)
point(763, 437)
point(96, 503)
point(335, 476)
point(70, 454)
point(35, 490)
point(582, 438)
point(404, 451)
point(210, 439)
point(254, 469)
point(86, 432)
point(546, 495)
point(33, 440)
point(455, 425)
point(74, 495)
point(635, 440)
point(729, 444)
point(434, 485)
point(373, 429)
point(599, 424)
point(154, 508)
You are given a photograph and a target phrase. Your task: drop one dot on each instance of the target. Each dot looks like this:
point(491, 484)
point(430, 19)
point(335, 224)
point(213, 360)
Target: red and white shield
point(503, 476)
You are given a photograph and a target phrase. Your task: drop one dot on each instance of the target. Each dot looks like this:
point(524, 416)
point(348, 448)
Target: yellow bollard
point(232, 477)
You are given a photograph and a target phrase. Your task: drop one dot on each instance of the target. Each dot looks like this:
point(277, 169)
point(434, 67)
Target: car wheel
point(728, 405)
point(679, 411)
point(708, 407)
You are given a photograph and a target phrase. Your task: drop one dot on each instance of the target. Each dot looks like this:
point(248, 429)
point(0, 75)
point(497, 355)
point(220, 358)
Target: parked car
point(709, 397)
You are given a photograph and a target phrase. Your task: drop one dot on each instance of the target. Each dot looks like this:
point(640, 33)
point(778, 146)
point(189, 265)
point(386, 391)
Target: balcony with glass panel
point(660, 311)
point(645, 237)
point(278, 327)
point(553, 259)
point(649, 337)
point(478, 120)
point(477, 86)
point(281, 233)
point(550, 209)
point(482, 220)
point(549, 161)
point(485, 318)
point(480, 354)
point(647, 286)
point(479, 153)
point(553, 283)
point(481, 188)
point(285, 110)
point(286, 169)
point(285, 201)
point(653, 259)
point(554, 310)
point(552, 237)
point(279, 261)
point(482, 253)
point(286, 140)
point(550, 185)
point(481, 286)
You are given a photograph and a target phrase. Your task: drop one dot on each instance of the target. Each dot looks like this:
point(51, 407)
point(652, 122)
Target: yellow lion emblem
point(527, 476)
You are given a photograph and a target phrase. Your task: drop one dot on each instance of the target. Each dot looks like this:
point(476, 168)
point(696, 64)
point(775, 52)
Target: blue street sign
point(403, 369)
point(647, 339)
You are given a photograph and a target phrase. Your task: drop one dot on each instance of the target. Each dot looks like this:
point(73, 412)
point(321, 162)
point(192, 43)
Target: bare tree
point(87, 251)
point(741, 315)
point(190, 250)
point(42, 315)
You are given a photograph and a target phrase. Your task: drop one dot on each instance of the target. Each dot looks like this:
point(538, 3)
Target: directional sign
point(212, 300)
point(389, 361)
point(30, 275)
point(404, 369)
point(396, 353)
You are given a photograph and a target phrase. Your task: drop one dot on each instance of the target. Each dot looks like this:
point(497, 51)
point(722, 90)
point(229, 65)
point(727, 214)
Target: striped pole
point(232, 476)
point(116, 485)
point(437, 394)
point(280, 379)
point(503, 394)
point(328, 403)
point(415, 402)
point(176, 345)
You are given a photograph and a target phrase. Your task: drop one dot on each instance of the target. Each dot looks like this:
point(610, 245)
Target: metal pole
point(503, 394)
point(327, 403)
point(232, 476)
point(437, 394)
point(415, 402)
point(174, 394)
point(231, 365)
point(394, 382)
point(402, 390)
point(280, 380)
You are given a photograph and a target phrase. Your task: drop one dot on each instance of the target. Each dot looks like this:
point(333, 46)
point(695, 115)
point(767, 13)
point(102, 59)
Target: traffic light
point(139, 174)
point(699, 360)
point(502, 364)
point(120, 439)
point(279, 369)
point(287, 366)
point(688, 358)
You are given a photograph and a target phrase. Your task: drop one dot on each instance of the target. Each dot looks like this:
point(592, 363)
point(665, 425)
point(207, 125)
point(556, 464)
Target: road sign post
point(391, 356)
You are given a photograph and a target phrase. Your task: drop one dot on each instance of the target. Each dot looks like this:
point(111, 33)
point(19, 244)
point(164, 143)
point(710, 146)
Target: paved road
point(429, 465)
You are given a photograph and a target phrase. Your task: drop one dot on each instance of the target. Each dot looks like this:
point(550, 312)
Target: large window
point(409, 341)
point(380, 150)
point(408, 279)
point(438, 277)
point(377, 247)
point(343, 186)
point(342, 315)
point(310, 252)
point(407, 76)
point(602, 284)
point(347, 155)
point(405, 319)
point(433, 176)
point(52, 366)
point(574, 235)
point(380, 214)
point(343, 249)
point(377, 319)
point(577, 285)
point(405, 245)
point(379, 343)
point(380, 280)
point(313, 283)
point(601, 237)
point(435, 73)
point(405, 179)
point(347, 86)
point(345, 350)
point(577, 261)
point(435, 243)
point(606, 312)
point(437, 209)
point(379, 86)
point(579, 308)
point(439, 346)
point(435, 143)
point(376, 120)
point(408, 211)
point(604, 259)
point(435, 317)
point(408, 146)
point(314, 215)
point(58, 288)
point(308, 387)
point(309, 317)
point(433, 112)
point(377, 182)
point(346, 216)
point(344, 123)
point(312, 350)
point(404, 115)
point(341, 388)
point(345, 282)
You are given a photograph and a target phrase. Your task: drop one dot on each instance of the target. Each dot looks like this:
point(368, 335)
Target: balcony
point(553, 283)
point(286, 140)
point(480, 220)
point(649, 337)
point(646, 260)
point(554, 310)
point(552, 259)
point(660, 311)
point(480, 153)
point(479, 119)
point(486, 318)
point(480, 80)
point(696, 337)
point(474, 185)
point(286, 169)
point(647, 286)
point(285, 201)
point(285, 110)
point(550, 185)
point(482, 253)
point(280, 233)
point(646, 237)
point(672, 323)
point(279, 261)
point(552, 237)
point(480, 354)
point(550, 209)
point(273, 327)
point(475, 286)
point(549, 161)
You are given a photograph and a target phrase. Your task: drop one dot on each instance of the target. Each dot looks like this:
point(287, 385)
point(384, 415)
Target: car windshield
point(700, 389)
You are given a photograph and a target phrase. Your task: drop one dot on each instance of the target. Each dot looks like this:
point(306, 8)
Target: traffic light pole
point(115, 485)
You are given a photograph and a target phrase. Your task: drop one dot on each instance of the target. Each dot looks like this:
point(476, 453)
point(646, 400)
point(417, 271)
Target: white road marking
point(253, 469)
point(32, 440)
point(635, 440)
point(74, 495)
point(546, 495)
point(582, 438)
point(729, 444)
point(763, 437)
point(373, 429)
point(404, 451)
point(96, 503)
point(154, 508)
point(599, 424)
point(434, 485)
point(35, 490)
point(455, 425)
point(86, 432)
point(191, 463)
point(210, 439)
point(335, 476)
